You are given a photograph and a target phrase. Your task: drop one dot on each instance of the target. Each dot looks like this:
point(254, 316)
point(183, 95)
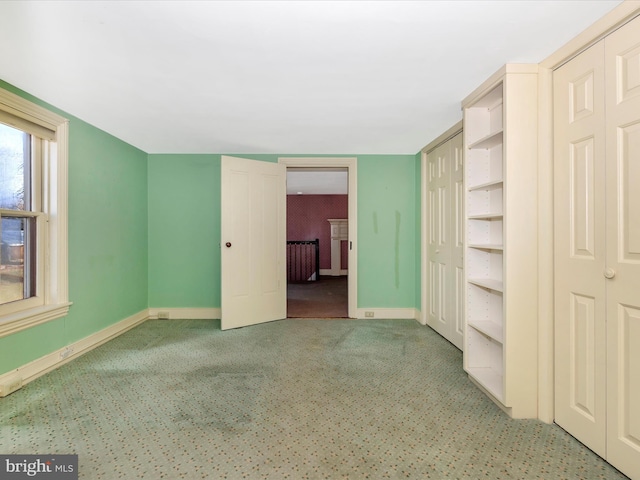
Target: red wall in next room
point(307, 220)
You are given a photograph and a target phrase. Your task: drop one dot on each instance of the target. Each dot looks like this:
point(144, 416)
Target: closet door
point(457, 283)
point(438, 249)
point(444, 240)
point(580, 334)
point(597, 228)
point(622, 57)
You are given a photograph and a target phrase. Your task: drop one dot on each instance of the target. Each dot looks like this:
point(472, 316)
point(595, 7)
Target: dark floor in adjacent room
point(324, 298)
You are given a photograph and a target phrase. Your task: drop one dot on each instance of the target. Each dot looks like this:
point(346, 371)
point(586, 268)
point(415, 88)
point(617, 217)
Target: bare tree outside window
point(15, 162)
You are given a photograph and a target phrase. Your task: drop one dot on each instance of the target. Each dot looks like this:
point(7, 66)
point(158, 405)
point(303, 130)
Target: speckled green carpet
point(297, 399)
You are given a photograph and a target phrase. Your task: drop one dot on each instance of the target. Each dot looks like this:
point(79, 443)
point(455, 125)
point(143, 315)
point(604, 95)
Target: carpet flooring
point(292, 399)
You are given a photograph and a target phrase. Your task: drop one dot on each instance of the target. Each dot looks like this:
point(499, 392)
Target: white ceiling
point(345, 77)
point(317, 181)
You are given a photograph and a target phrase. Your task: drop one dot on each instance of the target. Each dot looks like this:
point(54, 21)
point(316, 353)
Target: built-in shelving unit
point(500, 188)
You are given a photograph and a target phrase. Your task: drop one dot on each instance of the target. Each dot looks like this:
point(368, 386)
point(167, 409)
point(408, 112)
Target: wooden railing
point(303, 260)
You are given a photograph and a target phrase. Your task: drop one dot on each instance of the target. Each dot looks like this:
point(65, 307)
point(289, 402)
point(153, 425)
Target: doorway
point(321, 203)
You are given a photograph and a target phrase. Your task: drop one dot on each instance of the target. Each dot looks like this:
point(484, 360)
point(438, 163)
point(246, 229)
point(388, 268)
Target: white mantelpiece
point(339, 232)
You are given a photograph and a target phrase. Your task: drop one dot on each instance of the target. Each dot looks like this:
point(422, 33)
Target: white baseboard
point(53, 360)
point(388, 313)
point(329, 273)
point(419, 318)
point(185, 313)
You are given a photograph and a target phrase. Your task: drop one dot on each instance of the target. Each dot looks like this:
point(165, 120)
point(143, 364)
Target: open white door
point(253, 242)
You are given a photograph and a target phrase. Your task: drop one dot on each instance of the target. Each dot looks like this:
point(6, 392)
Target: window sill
point(16, 322)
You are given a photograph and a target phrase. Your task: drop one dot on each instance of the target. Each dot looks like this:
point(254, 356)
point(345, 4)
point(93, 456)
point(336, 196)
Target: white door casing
point(351, 164)
point(253, 242)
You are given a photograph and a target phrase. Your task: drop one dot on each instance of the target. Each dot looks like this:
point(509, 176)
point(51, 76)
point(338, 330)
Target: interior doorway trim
point(350, 163)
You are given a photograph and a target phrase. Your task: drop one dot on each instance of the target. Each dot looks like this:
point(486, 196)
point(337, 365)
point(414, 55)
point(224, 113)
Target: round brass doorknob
point(609, 273)
point(228, 244)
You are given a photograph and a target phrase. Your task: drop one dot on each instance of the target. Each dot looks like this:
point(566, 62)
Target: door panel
point(579, 248)
point(623, 247)
point(437, 248)
point(582, 188)
point(253, 271)
point(445, 196)
point(583, 392)
point(238, 193)
point(628, 149)
point(457, 257)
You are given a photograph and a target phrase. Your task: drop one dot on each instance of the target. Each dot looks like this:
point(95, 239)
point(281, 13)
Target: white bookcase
point(500, 145)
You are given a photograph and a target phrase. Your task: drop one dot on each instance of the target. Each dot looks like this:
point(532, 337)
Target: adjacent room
point(320, 239)
point(317, 242)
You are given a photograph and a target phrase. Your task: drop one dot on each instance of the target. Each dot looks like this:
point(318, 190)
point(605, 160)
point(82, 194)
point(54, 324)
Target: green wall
point(107, 242)
point(418, 231)
point(144, 231)
point(184, 230)
point(386, 231)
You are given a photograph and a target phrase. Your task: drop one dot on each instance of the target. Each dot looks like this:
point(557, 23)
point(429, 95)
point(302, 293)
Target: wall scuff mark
point(397, 249)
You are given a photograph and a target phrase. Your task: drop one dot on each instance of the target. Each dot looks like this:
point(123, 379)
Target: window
point(20, 209)
point(33, 214)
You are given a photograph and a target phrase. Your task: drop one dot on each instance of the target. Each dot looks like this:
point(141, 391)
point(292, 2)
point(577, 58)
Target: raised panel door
point(457, 284)
point(438, 247)
point(445, 265)
point(622, 63)
point(579, 248)
point(253, 242)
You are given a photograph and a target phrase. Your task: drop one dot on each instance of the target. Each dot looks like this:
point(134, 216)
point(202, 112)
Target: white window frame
point(52, 293)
